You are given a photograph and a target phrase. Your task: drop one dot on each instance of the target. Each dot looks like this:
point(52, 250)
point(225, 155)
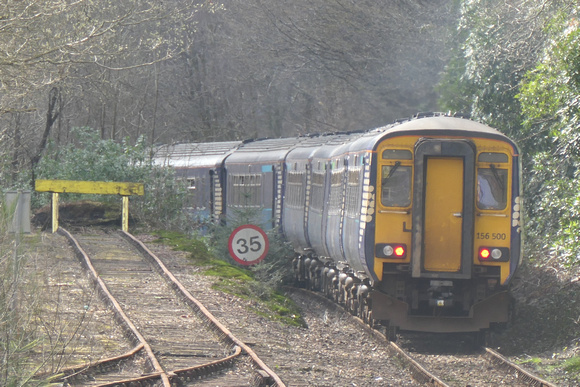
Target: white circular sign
point(248, 244)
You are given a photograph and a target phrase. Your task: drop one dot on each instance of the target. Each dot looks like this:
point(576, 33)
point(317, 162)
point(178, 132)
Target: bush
point(89, 158)
point(259, 283)
point(19, 296)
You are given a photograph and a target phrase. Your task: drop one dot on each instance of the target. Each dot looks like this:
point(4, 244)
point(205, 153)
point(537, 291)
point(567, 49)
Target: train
point(413, 226)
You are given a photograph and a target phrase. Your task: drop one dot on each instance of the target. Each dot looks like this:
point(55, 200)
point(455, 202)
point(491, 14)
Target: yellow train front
point(446, 226)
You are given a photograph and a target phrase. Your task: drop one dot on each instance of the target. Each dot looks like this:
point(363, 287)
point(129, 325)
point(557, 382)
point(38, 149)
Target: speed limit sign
point(248, 244)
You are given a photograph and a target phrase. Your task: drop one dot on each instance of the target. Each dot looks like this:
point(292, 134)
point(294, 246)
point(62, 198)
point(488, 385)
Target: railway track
point(448, 362)
point(445, 361)
point(155, 310)
point(176, 340)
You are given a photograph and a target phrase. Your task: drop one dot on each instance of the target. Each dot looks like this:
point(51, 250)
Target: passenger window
point(396, 185)
point(492, 188)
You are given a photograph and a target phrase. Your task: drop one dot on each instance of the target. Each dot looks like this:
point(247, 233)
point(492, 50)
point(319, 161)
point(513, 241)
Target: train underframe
point(400, 302)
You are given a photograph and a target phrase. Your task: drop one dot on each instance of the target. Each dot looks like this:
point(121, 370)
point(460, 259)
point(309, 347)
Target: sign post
point(248, 244)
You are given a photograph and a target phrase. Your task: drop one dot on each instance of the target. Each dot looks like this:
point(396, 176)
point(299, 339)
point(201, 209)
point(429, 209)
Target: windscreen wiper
point(391, 172)
point(496, 175)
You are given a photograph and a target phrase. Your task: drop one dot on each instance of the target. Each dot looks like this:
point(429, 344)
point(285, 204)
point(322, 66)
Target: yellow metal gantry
point(89, 187)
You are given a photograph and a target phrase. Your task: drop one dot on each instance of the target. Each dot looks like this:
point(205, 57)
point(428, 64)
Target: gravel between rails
point(179, 338)
point(333, 351)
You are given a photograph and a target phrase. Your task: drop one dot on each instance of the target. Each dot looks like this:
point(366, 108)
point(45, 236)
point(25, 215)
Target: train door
point(443, 213)
point(443, 209)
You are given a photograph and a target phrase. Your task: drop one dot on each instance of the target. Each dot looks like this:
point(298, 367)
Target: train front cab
point(447, 232)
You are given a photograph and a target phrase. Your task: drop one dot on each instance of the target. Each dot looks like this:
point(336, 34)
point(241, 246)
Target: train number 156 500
point(500, 236)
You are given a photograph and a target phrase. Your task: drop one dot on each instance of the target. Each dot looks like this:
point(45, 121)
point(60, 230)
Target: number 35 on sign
point(248, 244)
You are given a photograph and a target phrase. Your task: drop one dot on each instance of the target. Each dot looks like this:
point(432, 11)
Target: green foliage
point(482, 75)
point(516, 67)
point(551, 107)
point(257, 283)
point(549, 92)
point(572, 365)
point(89, 158)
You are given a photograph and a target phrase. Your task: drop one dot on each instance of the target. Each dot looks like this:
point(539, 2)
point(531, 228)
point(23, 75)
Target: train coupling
point(440, 293)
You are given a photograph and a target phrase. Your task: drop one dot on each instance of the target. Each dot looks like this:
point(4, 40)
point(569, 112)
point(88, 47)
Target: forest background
point(112, 78)
point(87, 87)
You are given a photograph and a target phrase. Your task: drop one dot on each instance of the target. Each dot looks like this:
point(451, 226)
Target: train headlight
point(494, 254)
point(391, 250)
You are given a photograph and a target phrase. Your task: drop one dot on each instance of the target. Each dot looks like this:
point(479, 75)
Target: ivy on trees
point(516, 66)
point(550, 101)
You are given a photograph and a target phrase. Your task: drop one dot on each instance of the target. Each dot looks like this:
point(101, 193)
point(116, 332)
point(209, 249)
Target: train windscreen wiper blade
point(392, 171)
point(496, 175)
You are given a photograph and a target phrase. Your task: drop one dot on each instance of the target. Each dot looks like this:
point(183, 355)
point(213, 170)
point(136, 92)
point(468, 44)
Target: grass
point(533, 360)
point(225, 270)
point(572, 365)
point(196, 247)
point(236, 280)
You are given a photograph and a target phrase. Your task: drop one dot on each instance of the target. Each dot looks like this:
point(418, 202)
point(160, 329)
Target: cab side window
point(491, 188)
point(396, 178)
point(492, 181)
point(396, 186)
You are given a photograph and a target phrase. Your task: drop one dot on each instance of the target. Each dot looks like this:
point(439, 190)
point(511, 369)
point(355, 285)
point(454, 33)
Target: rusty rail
point(500, 361)
point(264, 376)
point(267, 376)
point(130, 330)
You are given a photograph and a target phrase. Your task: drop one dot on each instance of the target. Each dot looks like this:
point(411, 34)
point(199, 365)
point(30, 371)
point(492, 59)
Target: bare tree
point(182, 71)
point(259, 68)
point(87, 50)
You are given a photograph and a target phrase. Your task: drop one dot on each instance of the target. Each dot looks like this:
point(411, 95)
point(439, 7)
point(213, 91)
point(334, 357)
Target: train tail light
point(494, 254)
point(400, 251)
point(391, 250)
point(484, 254)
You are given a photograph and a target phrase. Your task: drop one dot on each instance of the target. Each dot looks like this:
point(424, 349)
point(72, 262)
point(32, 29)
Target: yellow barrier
point(89, 187)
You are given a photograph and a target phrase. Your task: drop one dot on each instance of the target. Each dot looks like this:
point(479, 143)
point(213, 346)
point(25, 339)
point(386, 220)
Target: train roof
point(207, 154)
point(444, 122)
point(326, 145)
point(263, 150)
point(429, 126)
point(339, 144)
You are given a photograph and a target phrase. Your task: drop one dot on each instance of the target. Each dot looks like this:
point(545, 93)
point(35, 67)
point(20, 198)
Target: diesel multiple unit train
point(415, 226)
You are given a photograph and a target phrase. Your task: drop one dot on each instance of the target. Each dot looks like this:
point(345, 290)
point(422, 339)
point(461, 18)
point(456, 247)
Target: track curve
point(434, 361)
point(155, 311)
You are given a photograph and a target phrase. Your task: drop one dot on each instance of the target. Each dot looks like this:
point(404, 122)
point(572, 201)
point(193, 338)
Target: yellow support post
point(89, 187)
point(54, 212)
point(125, 225)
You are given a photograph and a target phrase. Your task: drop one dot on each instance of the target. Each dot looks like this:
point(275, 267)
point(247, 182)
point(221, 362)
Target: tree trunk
point(54, 107)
